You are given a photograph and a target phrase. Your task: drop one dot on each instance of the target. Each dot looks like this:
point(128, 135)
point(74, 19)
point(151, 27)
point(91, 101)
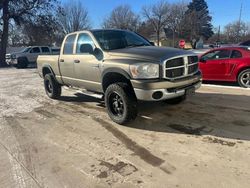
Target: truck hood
point(149, 53)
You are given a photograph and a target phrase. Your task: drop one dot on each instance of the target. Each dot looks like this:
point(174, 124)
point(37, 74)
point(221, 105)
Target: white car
point(29, 55)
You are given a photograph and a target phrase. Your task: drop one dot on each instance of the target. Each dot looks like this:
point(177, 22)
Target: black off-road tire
point(22, 63)
point(126, 97)
point(176, 100)
point(245, 74)
point(52, 88)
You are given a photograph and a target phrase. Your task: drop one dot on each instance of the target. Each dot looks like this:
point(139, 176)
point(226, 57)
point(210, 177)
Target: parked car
point(246, 43)
point(227, 64)
point(122, 66)
point(55, 50)
point(29, 55)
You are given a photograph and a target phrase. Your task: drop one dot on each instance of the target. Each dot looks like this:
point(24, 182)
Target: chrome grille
point(7, 56)
point(180, 67)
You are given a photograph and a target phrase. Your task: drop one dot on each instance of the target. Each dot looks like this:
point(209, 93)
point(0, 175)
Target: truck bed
point(48, 60)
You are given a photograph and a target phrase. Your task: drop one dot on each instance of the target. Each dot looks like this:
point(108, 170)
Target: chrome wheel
point(245, 79)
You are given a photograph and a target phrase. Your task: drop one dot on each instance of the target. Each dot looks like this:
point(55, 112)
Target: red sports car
point(227, 64)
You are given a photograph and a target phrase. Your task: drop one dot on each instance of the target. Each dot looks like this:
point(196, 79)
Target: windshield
point(25, 50)
point(115, 39)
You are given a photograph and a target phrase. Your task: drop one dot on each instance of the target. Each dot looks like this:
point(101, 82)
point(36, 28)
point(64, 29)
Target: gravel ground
point(203, 142)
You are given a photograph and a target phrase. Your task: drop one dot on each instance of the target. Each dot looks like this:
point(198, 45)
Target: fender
point(116, 70)
point(23, 57)
point(49, 67)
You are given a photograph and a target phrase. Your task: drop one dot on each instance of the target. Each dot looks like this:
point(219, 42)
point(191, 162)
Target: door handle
point(76, 61)
point(96, 66)
point(61, 60)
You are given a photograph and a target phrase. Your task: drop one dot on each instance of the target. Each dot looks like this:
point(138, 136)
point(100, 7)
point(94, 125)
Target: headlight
point(144, 70)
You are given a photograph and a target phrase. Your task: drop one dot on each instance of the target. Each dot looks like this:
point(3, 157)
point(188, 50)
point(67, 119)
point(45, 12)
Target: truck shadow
point(81, 98)
point(220, 115)
point(220, 83)
point(204, 114)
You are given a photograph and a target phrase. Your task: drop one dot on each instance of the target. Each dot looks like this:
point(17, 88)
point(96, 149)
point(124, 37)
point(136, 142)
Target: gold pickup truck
point(124, 67)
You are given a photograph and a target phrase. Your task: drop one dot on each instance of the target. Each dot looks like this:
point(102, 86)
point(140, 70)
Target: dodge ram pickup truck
point(124, 67)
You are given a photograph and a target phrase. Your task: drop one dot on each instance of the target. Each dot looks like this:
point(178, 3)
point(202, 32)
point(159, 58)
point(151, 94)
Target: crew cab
point(231, 64)
point(29, 55)
point(124, 67)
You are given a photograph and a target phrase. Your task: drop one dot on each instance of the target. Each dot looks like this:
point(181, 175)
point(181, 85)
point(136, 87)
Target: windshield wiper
point(136, 45)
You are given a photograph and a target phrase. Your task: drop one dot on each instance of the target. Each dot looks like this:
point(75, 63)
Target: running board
point(85, 92)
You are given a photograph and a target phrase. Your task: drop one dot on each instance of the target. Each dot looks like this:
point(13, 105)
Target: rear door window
point(236, 54)
point(35, 50)
point(45, 50)
point(69, 44)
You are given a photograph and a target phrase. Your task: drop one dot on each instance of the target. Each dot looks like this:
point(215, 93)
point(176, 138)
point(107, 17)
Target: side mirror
point(152, 43)
point(86, 49)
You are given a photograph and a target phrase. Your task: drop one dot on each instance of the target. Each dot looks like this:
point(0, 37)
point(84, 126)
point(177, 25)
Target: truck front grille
point(7, 56)
point(180, 67)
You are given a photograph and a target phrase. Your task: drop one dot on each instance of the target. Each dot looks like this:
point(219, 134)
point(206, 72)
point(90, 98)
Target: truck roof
point(94, 30)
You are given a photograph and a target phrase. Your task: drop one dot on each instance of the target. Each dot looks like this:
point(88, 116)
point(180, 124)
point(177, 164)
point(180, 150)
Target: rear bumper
point(157, 91)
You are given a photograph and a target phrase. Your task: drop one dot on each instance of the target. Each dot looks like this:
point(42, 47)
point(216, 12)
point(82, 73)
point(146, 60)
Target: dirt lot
point(204, 142)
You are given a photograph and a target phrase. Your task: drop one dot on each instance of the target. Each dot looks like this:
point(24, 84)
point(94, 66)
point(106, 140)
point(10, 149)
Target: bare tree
point(158, 15)
point(176, 19)
point(41, 30)
point(73, 17)
point(236, 31)
point(16, 10)
point(233, 32)
point(146, 29)
point(122, 17)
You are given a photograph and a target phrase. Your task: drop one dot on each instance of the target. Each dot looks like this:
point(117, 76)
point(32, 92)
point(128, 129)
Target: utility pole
point(240, 12)
point(218, 39)
point(239, 24)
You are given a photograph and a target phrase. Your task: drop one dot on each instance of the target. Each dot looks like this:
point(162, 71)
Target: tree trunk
point(158, 37)
point(4, 37)
point(173, 38)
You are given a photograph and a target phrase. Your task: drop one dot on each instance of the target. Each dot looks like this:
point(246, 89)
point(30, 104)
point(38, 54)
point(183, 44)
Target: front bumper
point(11, 61)
point(157, 91)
